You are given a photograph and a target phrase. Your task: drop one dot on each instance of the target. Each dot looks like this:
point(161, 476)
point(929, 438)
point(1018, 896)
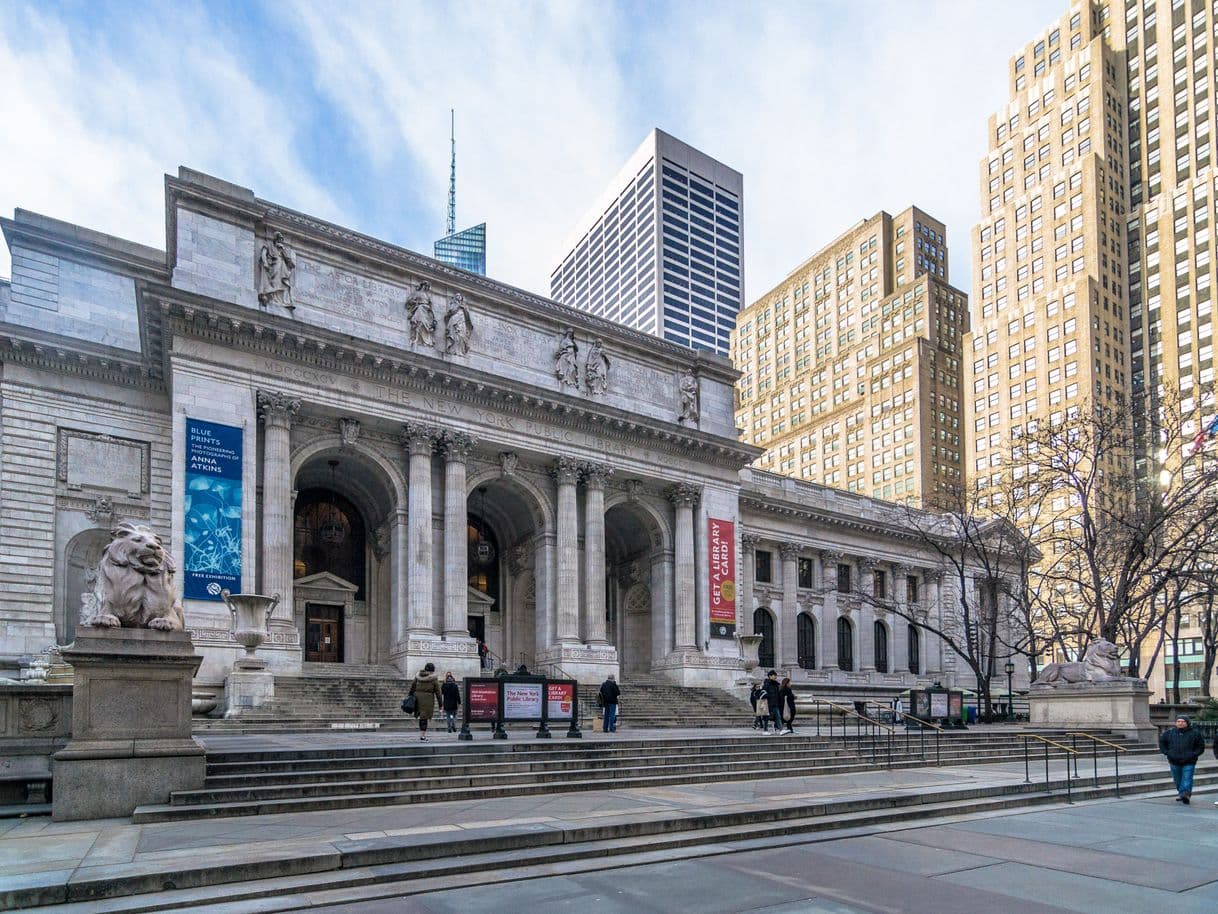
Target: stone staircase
point(242, 783)
point(334, 696)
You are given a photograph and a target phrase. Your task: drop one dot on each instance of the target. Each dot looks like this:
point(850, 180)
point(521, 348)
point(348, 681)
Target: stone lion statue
point(134, 584)
point(1101, 663)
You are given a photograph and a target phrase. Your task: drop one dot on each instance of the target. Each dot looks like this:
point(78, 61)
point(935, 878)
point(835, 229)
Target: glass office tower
point(465, 249)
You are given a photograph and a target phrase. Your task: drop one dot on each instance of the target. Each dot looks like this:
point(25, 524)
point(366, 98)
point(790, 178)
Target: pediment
point(324, 580)
point(476, 597)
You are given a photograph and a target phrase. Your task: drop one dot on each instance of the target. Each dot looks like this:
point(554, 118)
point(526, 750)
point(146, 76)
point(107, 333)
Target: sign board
point(955, 705)
point(522, 700)
point(921, 704)
point(938, 705)
point(560, 700)
point(482, 699)
point(212, 537)
point(721, 566)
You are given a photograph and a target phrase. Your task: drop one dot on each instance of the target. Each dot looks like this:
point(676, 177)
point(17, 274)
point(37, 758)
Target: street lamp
point(1010, 669)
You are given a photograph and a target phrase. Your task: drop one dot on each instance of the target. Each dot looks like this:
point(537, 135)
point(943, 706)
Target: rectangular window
point(880, 585)
point(911, 589)
point(805, 573)
point(843, 579)
point(763, 567)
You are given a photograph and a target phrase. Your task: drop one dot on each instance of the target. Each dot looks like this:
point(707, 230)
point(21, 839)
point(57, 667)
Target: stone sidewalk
point(39, 853)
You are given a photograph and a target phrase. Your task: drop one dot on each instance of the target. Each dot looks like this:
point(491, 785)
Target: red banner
point(560, 697)
point(721, 546)
point(483, 700)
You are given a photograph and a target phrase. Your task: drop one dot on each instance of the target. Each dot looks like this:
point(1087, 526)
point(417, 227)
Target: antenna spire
point(452, 175)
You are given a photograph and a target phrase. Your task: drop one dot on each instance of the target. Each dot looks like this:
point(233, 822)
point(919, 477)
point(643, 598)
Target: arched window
point(845, 644)
point(915, 658)
point(329, 536)
point(763, 624)
point(807, 641)
point(482, 558)
point(881, 647)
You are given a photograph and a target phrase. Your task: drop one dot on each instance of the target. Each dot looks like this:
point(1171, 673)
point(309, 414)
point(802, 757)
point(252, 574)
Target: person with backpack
point(451, 697)
point(425, 690)
point(607, 698)
point(1183, 745)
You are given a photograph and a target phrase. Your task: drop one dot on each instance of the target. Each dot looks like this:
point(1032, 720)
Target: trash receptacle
point(971, 715)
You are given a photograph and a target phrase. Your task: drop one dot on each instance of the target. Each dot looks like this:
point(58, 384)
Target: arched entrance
point(763, 624)
point(634, 545)
point(79, 575)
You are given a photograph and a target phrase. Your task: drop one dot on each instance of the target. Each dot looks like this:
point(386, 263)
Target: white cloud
point(90, 132)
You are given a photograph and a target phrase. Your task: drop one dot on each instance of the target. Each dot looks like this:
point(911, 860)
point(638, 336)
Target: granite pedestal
point(1122, 706)
point(131, 741)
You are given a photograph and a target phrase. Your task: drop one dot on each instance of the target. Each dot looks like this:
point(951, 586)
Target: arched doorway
point(83, 553)
point(881, 647)
point(634, 541)
point(806, 639)
point(763, 624)
point(915, 654)
point(845, 644)
point(636, 629)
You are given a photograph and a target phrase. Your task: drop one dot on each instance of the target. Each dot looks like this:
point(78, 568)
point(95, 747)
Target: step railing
point(864, 727)
point(1048, 744)
point(1096, 742)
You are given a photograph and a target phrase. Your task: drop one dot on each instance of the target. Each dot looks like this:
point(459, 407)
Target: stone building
point(413, 457)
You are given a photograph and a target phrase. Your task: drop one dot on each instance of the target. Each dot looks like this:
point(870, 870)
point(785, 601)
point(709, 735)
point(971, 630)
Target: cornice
point(398, 261)
point(820, 516)
point(78, 358)
point(225, 324)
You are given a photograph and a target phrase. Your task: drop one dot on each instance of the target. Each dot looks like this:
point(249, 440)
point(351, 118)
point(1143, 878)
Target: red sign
point(560, 696)
point(482, 700)
point(721, 544)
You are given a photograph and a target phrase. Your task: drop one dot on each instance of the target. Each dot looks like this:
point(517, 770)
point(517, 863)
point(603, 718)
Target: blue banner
point(213, 510)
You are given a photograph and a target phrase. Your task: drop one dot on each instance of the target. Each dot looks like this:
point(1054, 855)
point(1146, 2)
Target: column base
point(459, 657)
point(584, 662)
point(246, 689)
point(691, 667)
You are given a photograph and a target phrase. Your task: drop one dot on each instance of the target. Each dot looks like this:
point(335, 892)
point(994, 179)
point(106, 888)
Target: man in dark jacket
point(609, 695)
point(772, 690)
point(1183, 746)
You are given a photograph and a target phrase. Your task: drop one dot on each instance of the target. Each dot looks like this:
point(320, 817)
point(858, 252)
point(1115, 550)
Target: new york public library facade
point(413, 457)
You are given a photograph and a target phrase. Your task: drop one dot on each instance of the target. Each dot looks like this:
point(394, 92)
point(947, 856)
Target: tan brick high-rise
point(851, 366)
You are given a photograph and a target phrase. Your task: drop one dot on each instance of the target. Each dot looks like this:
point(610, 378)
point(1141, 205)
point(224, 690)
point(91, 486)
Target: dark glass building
point(465, 249)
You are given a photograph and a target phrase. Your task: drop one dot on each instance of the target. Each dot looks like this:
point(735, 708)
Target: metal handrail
point(859, 720)
point(850, 712)
point(1027, 775)
point(925, 723)
point(1096, 741)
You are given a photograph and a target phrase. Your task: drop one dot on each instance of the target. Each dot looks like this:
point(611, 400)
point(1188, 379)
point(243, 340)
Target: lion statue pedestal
point(1091, 694)
point(133, 666)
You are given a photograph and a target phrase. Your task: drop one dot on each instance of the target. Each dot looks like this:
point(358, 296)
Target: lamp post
point(1010, 669)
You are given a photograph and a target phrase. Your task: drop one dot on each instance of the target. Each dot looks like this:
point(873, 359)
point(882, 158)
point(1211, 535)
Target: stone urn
point(203, 703)
point(749, 646)
point(250, 612)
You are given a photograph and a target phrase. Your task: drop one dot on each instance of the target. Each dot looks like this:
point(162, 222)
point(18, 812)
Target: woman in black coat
point(450, 697)
point(786, 701)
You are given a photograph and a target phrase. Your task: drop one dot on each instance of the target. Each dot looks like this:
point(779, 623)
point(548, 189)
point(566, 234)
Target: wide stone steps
point(365, 871)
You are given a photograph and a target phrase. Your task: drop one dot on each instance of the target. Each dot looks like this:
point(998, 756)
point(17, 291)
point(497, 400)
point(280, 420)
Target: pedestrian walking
point(1183, 745)
point(761, 709)
point(451, 696)
point(425, 689)
point(772, 690)
point(786, 701)
point(484, 655)
point(608, 698)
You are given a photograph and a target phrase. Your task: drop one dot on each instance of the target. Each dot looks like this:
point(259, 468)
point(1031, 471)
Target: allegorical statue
point(134, 584)
point(688, 387)
point(596, 370)
point(421, 316)
point(566, 364)
point(276, 273)
point(1101, 663)
point(457, 326)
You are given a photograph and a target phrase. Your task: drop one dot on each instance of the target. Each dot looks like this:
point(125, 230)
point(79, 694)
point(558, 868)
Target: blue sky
point(832, 110)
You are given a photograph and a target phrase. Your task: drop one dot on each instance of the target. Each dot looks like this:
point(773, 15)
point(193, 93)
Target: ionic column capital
point(418, 439)
point(684, 495)
point(867, 565)
point(831, 557)
point(596, 474)
point(789, 551)
point(932, 575)
point(277, 409)
point(457, 446)
point(566, 470)
point(749, 542)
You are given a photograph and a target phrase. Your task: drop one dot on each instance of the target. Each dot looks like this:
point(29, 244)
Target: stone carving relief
point(348, 431)
point(566, 360)
point(420, 315)
point(688, 387)
point(509, 462)
point(276, 273)
point(37, 715)
point(101, 512)
point(458, 327)
point(1101, 663)
point(596, 369)
point(134, 587)
point(634, 490)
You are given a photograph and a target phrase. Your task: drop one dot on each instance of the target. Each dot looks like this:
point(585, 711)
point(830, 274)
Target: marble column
point(788, 621)
point(898, 636)
point(828, 632)
point(566, 474)
point(595, 475)
point(457, 447)
point(684, 497)
point(865, 661)
point(933, 603)
point(277, 410)
point(419, 440)
point(398, 563)
point(748, 573)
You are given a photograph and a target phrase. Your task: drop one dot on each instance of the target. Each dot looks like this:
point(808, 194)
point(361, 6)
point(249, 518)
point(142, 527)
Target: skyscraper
point(467, 248)
point(850, 367)
point(660, 251)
